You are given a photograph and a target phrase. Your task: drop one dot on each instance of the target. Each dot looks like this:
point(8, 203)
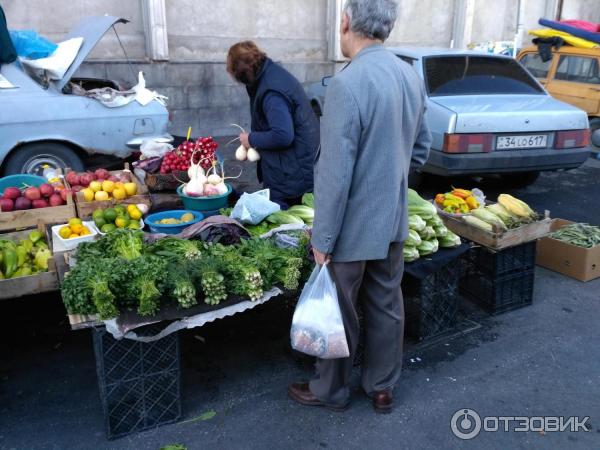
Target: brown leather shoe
point(383, 402)
point(300, 392)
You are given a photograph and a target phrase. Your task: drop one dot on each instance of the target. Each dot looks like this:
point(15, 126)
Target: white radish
point(241, 154)
point(214, 179)
point(253, 155)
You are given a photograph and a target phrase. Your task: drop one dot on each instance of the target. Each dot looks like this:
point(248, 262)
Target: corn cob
point(489, 217)
point(515, 206)
point(478, 223)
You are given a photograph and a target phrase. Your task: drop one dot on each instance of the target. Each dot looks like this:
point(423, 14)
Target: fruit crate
point(497, 295)
point(28, 218)
point(431, 304)
point(86, 209)
point(32, 284)
point(503, 262)
point(140, 386)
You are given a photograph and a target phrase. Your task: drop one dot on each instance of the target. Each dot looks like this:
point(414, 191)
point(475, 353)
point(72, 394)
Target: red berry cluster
point(179, 159)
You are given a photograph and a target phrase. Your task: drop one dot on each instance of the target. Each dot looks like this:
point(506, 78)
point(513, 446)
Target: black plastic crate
point(139, 382)
point(499, 295)
point(503, 262)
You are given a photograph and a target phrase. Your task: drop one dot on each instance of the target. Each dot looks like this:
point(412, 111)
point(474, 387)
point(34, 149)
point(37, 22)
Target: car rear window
point(477, 75)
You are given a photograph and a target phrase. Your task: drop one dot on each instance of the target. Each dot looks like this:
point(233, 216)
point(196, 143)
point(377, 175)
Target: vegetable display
point(458, 201)
point(120, 272)
point(109, 219)
point(426, 231)
point(579, 234)
point(508, 213)
point(26, 257)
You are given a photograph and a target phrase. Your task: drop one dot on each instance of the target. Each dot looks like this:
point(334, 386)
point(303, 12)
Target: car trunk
point(510, 113)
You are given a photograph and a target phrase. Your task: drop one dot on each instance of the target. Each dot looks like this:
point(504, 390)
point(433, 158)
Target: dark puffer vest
point(287, 172)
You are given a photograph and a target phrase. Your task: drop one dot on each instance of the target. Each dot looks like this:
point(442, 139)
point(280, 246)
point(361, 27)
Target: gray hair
point(373, 19)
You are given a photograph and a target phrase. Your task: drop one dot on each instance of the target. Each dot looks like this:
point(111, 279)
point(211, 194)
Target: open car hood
point(91, 29)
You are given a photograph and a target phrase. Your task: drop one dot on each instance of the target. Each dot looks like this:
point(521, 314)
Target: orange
point(76, 228)
point(73, 235)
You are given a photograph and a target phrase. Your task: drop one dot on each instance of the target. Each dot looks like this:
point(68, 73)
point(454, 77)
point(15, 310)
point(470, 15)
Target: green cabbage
point(410, 253)
point(435, 221)
point(428, 247)
point(416, 223)
point(427, 233)
point(440, 231)
point(413, 239)
point(449, 240)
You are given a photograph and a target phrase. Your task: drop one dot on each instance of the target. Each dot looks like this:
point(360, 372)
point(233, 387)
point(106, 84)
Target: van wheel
point(31, 158)
point(595, 132)
point(520, 179)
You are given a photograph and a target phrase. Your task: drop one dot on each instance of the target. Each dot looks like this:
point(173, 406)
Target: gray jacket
point(373, 131)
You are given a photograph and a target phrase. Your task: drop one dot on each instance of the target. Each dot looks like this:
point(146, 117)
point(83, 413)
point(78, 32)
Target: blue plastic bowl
point(212, 203)
point(155, 227)
point(20, 180)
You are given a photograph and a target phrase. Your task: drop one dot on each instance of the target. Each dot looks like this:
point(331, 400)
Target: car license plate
point(512, 142)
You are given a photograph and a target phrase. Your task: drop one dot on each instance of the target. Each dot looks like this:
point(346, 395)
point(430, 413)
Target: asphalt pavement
point(541, 360)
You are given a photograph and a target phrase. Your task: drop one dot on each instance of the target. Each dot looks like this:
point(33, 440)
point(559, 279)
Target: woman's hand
point(245, 141)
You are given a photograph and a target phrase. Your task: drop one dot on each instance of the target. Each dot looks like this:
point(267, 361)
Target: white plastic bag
point(151, 148)
point(254, 208)
point(317, 326)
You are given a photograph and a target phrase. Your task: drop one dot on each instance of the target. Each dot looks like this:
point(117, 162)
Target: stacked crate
point(500, 281)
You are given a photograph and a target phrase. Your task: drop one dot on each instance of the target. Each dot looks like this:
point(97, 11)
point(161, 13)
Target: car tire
point(595, 133)
point(520, 179)
point(31, 157)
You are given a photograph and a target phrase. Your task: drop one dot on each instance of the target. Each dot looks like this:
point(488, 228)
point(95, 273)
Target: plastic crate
point(499, 295)
point(504, 262)
point(139, 382)
point(431, 305)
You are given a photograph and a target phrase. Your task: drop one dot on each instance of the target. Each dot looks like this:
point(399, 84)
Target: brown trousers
point(377, 285)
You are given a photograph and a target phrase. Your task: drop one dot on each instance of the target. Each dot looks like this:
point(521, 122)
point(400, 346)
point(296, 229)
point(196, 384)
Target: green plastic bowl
point(20, 180)
point(214, 202)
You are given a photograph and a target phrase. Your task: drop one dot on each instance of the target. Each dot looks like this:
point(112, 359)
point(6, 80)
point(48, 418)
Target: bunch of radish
point(31, 197)
point(206, 183)
point(242, 153)
point(200, 152)
point(79, 181)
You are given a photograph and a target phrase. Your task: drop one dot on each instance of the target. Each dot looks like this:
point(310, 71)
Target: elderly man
point(373, 132)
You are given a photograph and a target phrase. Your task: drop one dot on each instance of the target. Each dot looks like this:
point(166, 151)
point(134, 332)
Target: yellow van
point(573, 76)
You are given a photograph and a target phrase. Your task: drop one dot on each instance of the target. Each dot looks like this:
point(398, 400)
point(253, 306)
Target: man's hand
point(244, 139)
point(321, 258)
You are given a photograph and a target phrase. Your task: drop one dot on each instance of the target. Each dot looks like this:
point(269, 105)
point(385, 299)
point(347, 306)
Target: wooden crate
point(86, 209)
point(18, 220)
point(500, 240)
point(32, 284)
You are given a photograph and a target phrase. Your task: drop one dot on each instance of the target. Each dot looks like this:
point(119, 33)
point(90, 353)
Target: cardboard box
point(580, 263)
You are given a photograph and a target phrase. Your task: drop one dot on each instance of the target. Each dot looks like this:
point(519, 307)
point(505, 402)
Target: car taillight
point(467, 143)
point(572, 139)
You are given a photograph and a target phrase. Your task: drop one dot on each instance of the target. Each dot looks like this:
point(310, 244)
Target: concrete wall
point(425, 23)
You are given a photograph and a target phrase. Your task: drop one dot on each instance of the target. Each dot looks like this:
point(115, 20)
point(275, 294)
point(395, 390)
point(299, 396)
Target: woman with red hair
point(284, 129)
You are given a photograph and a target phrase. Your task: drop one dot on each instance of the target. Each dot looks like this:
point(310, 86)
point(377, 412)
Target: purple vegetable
point(149, 165)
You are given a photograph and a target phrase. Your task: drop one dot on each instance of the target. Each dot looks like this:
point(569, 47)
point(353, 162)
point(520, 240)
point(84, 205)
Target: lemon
point(75, 221)
point(119, 193)
point(73, 236)
point(96, 186)
point(64, 232)
point(187, 217)
point(131, 189)
point(122, 222)
point(135, 214)
point(108, 186)
point(108, 228)
point(131, 208)
point(88, 194)
point(101, 196)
